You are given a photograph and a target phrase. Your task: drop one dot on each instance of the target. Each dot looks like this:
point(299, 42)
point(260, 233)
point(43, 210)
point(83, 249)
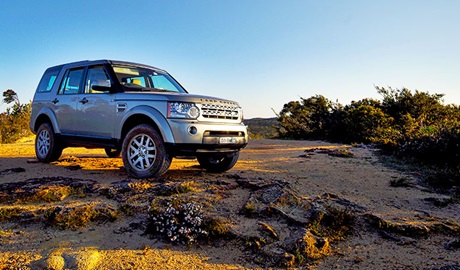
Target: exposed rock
point(12, 170)
point(439, 202)
point(276, 200)
point(45, 189)
point(274, 255)
point(86, 259)
point(412, 229)
point(74, 167)
point(344, 153)
point(265, 227)
point(400, 240)
point(256, 184)
point(402, 182)
point(452, 245)
point(400, 228)
point(302, 241)
point(53, 261)
point(449, 267)
point(389, 236)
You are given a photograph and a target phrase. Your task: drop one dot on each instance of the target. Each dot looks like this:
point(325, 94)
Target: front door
point(96, 107)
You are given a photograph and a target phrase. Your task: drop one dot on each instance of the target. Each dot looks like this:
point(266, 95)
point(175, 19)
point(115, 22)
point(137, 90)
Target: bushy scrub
point(415, 125)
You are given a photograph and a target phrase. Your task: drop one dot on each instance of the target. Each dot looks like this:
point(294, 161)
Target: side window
point(96, 76)
point(48, 79)
point(72, 81)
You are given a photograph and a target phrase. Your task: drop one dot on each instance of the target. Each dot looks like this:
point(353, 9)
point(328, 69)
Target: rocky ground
point(286, 204)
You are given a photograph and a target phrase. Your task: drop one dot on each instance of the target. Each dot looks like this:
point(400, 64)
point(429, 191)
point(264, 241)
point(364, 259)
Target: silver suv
point(138, 111)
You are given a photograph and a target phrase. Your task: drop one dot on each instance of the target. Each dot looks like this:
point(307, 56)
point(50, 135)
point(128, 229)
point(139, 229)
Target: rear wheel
point(217, 163)
point(144, 154)
point(47, 147)
point(112, 153)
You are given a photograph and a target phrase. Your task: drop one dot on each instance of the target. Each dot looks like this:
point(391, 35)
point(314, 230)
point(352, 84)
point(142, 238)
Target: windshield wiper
point(162, 90)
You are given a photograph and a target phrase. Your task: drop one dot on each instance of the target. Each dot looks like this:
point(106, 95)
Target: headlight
point(183, 110)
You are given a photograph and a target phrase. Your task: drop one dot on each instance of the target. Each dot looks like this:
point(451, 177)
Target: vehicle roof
point(106, 61)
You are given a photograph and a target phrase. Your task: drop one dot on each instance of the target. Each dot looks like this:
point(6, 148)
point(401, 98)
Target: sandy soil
point(362, 179)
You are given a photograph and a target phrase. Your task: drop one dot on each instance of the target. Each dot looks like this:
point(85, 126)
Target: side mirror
point(101, 86)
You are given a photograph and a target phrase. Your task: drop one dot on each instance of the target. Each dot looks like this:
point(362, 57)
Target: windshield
point(144, 79)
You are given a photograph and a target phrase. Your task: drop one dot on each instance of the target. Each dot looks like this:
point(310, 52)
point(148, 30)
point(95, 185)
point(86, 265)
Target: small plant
point(299, 256)
point(181, 222)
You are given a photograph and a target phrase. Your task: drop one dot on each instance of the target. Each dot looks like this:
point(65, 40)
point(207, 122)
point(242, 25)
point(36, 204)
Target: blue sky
point(262, 54)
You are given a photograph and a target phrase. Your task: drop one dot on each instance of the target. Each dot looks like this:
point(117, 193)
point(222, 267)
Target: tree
point(305, 119)
point(14, 123)
point(10, 96)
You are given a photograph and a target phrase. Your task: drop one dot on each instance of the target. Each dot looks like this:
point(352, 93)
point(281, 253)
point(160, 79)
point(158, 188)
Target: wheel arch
point(46, 116)
point(146, 115)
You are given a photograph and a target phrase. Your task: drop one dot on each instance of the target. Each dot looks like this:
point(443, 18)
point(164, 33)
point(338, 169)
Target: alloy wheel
point(142, 152)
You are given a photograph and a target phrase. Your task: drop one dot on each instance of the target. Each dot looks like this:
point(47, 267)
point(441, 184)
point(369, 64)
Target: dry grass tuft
point(80, 216)
point(334, 223)
point(217, 227)
point(8, 212)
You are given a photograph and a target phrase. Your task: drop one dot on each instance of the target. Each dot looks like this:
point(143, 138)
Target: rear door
point(65, 103)
point(96, 108)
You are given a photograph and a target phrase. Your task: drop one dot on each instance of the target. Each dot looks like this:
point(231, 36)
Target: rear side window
point(48, 79)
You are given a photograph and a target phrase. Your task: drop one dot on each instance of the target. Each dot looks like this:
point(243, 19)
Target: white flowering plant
point(180, 223)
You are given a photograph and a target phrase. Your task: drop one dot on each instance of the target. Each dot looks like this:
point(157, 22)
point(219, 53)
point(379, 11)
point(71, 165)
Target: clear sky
point(261, 53)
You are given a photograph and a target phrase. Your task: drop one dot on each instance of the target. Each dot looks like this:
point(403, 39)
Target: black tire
point(217, 163)
point(47, 147)
point(112, 153)
point(144, 154)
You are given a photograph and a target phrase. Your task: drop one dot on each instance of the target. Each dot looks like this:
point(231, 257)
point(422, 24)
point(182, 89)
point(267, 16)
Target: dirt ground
point(362, 179)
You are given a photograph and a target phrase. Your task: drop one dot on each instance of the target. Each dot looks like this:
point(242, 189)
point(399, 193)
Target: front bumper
point(192, 137)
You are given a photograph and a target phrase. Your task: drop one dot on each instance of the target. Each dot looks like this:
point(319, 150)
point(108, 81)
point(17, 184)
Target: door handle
point(83, 101)
point(55, 100)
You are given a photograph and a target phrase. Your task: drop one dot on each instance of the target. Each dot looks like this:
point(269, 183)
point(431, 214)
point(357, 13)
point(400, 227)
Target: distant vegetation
point(262, 128)
point(14, 123)
point(413, 125)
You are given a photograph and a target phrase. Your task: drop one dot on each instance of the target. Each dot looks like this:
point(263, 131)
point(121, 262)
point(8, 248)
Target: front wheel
point(47, 147)
point(144, 154)
point(217, 163)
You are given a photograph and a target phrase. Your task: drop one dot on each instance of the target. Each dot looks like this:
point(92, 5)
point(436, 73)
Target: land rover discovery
point(135, 110)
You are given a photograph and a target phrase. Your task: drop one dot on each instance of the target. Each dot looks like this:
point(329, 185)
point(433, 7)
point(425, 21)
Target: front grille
point(218, 111)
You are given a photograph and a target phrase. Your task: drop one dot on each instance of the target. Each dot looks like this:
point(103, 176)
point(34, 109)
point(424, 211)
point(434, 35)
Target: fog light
point(192, 130)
